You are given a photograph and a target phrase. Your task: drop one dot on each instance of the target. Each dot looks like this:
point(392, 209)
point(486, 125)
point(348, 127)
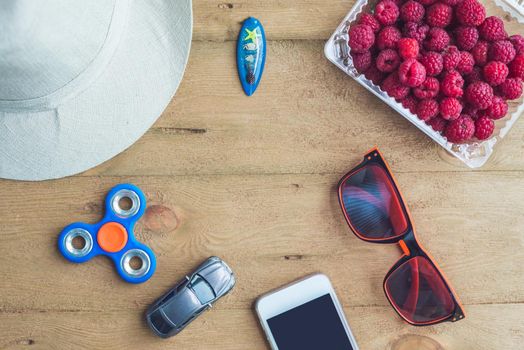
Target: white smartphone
point(305, 315)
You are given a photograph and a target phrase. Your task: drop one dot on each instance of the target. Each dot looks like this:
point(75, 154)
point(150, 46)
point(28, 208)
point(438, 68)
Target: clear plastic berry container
point(473, 153)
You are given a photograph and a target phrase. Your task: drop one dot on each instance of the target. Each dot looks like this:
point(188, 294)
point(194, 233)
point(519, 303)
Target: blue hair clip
point(251, 54)
point(113, 236)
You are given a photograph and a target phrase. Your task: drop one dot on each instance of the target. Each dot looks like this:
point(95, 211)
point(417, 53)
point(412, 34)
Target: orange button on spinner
point(112, 237)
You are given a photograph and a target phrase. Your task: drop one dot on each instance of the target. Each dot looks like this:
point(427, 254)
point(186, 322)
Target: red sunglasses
point(375, 211)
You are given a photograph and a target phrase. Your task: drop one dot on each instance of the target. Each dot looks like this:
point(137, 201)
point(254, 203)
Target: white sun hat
point(80, 81)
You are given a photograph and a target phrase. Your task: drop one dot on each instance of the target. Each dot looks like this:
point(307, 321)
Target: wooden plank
point(307, 117)
point(271, 229)
point(219, 20)
point(231, 329)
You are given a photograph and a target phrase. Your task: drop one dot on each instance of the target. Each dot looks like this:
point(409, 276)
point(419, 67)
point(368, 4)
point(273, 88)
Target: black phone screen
point(314, 325)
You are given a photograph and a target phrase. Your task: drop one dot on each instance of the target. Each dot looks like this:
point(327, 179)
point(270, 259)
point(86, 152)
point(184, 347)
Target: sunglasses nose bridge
point(404, 247)
point(410, 245)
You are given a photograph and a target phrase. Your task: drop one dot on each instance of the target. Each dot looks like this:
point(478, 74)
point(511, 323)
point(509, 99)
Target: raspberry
point(466, 63)
point(362, 61)
point(374, 75)
point(388, 37)
point(427, 109)
point(412, 11)
point(450, 108)
point(388, 60)
point(492, 29)
point(408, 48)
point(495, 73)
point(361, 38)
point(466, 37)
point(428, 89)
point(411, 73)
point(369, 20)
point(438, 124)
point(484, 128)
point(416, 31)
point(394, 88)
point(433, 62)
point(452, 83)
point(502, 51)
point(451, 58)
point(437, 39)
point(386, 12)
point(410, 103)
point(470, 13)
point(511, 88)
point(461, 129)
point(479, 94)
point(498, 108)
point(475, 75)
point(439, 15)
point(518, 43)
point(516, 67)
point(480, 53)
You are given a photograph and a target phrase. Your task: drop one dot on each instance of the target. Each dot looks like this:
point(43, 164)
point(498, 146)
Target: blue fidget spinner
point(113, 236)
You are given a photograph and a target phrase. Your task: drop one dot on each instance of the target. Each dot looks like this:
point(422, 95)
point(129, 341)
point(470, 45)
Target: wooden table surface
point(252, 180)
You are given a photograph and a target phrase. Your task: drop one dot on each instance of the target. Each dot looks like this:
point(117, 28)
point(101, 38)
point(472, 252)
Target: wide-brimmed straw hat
point(80, 81)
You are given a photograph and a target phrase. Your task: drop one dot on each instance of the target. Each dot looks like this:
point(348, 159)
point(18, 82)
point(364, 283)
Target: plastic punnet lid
point(514, 7)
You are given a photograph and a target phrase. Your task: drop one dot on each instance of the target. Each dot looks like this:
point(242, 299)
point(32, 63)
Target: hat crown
point(46, 44)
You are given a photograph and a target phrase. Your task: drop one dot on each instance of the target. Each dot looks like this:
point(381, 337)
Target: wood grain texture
point(252, 180)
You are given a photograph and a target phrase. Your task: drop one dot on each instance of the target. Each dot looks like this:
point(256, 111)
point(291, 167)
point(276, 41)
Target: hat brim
point(115, 110)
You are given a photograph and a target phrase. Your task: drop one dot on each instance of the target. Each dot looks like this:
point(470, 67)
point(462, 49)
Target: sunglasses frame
point(407, 241)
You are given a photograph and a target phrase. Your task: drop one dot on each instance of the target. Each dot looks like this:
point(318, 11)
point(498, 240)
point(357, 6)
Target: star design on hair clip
point(251, 35)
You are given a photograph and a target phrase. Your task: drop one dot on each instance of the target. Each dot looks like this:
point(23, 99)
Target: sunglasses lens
point(372, 205)
point(418, 292)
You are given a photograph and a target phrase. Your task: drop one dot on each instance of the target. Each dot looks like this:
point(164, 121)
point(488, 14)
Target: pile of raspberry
point(443, 60)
